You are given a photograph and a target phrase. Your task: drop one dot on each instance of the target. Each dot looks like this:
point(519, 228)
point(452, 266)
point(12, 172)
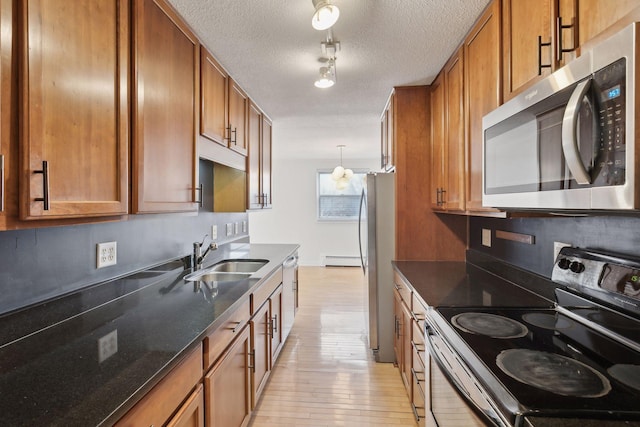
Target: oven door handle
point(442, 363)
point(570, 146)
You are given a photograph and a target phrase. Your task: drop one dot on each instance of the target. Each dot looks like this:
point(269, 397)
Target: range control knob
point(564, 263)
point(576, 267)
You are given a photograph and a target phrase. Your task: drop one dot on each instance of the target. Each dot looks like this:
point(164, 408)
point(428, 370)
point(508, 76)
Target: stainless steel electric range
point(577, 362)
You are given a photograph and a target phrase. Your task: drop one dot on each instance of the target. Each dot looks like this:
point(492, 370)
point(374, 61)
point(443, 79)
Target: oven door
point(456, 398)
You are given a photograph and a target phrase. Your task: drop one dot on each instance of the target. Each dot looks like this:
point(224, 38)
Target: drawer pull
point(414, 408)
point(235, 328)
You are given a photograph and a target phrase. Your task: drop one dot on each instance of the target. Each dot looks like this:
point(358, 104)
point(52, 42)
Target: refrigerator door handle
point(362, 202)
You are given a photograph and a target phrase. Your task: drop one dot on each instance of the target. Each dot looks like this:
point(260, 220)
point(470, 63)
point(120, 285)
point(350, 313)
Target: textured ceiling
point(271, 50)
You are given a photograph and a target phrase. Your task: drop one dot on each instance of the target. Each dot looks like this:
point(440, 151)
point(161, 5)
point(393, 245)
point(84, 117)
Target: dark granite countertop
point(50, 373)
point(451, 284)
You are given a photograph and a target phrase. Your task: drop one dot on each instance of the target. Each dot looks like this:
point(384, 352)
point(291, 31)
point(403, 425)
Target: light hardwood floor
point(325, 375)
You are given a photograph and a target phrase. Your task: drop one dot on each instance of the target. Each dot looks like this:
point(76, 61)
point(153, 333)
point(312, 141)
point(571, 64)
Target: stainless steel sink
point(215, 276)
point(239, 265)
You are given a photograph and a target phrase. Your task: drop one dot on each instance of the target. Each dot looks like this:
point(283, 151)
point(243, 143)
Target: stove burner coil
point(491, 325)
point(547, 321)
point(553, 372)
point(628, 375)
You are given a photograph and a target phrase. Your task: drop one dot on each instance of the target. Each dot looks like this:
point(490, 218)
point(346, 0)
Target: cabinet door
point(527, 23)
point(437, 141)
point(227, 386)
point(398, 345)
point(164, 147)
point(390, 139)
point(7, 124)
point(454, 170)
point(213, 99)
point(238, 110)
point(276, 324)
point(254, 178)
point(260, 351)
point(594, 16)
point(482, 94)
point(191, 414)
point(407, 354)
point(74, 112)
point(384, 125)
point(266, 183)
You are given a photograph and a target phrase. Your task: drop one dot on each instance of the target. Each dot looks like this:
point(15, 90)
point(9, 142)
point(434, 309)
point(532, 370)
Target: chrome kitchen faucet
point(198, 256)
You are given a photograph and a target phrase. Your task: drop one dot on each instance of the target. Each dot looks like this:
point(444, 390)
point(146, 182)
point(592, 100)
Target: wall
point(293, 218)
point(38, 264)
point(612, 233)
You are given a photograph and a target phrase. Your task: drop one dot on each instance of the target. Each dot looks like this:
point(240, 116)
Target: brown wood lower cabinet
point(168, 395)
point(260, 351)
point(191, 414)
point(226, 385)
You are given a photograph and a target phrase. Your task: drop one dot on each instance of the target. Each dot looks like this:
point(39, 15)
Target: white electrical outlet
point(556, 249)
point(244, 226)
point(486, 237)
point(106, 254)
point(214, 232)
point(107, 346)
point(229, 229)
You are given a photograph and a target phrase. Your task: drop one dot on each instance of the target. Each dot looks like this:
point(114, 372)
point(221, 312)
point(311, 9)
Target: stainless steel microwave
point(569, 142)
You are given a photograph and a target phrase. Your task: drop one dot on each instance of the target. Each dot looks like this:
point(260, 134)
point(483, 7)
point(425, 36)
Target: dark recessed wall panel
point(612, 233)
point(39, 264)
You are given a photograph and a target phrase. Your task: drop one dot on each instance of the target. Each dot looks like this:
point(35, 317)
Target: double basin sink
point(230, 270)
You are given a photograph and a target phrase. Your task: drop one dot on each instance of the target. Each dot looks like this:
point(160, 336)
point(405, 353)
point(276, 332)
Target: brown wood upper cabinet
point(482, 94)
point(166, 58)
point(238, 110)
point(214, 99)
point(387, 148)
point(258, 159)
point(74, 115)
point(541, 36)
point(447, 137)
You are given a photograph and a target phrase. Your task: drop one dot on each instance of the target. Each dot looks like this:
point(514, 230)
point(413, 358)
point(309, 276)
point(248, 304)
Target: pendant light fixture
point(341, 175)
point(326, 14)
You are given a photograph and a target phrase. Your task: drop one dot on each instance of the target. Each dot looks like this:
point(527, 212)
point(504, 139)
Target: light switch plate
point(214, 232)
point(244, 226)
point(486, 237)
point(107, 345)
point(229, 229)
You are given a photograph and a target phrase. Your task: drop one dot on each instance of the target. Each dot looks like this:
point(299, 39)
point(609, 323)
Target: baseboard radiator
point(341, 261)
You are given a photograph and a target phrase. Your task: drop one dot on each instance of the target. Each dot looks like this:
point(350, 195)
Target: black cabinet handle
point(560, 27)
point(235, 136)
point(540, 64)
point(45, 185)
point(199, 200)
point(252, 361)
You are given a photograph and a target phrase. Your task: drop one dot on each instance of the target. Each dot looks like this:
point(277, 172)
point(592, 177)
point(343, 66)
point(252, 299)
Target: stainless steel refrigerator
point(377, 247)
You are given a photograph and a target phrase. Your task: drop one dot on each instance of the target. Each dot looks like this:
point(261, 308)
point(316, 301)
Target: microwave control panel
point(609, 86)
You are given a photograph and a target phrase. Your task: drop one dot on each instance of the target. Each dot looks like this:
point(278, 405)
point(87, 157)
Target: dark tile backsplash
point(38, 264)
point(611, 233)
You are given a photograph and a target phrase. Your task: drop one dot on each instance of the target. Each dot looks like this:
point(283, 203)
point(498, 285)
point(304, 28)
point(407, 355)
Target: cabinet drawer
point(417, 341)
point(403, 289)
point(418, 379)
point(218, 340)
point(156, 407)
point(260, 295)
point(419, 309)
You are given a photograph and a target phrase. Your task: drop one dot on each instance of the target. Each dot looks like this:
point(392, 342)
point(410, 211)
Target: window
point(339, 205)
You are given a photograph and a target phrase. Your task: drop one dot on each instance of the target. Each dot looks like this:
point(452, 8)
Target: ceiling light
point(341, 175)
point(326, 14)
point(327, 78)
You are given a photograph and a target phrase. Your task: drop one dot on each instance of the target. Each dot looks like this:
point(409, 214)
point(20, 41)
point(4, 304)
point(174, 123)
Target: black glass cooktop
point(550, 363)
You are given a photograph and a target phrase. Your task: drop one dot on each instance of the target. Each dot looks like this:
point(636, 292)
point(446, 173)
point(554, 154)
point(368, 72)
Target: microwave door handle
point(570, 134)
